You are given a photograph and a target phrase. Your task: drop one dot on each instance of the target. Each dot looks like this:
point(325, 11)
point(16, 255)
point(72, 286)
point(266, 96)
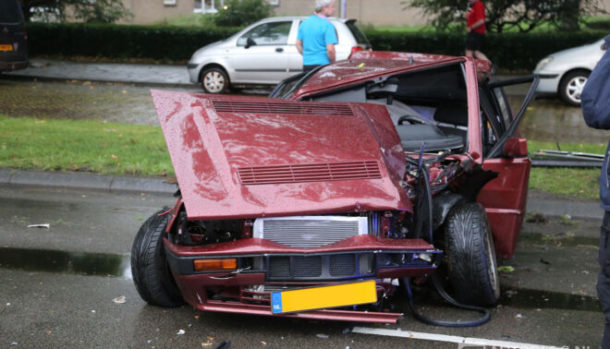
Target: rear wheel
point(571, 85)
point(214, 80)
point(473, 270)
point(149, 267)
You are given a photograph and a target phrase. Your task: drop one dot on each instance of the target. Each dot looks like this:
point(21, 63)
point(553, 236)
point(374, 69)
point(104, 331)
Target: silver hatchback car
point(264, 53)
point(565, 72)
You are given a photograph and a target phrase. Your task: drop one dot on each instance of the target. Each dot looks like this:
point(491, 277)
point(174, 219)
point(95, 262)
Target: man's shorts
point(474, 41)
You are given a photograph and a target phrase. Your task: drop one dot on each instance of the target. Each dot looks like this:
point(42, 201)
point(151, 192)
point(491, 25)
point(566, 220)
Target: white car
point(565, 72)
point(264, 53)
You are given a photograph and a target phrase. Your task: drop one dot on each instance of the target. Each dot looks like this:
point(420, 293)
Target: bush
point(120, 41)
point(510, 51)
point(243, 12)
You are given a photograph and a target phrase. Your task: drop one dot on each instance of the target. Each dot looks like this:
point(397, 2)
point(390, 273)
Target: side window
point(275, 33)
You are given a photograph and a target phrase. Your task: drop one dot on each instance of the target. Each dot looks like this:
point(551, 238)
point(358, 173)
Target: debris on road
point(120, 300)
point(506, 269)
point(180, 332)
point(44, 225)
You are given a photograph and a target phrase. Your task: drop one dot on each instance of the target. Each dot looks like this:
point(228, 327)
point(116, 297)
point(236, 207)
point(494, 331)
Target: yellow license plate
point(324, 297)
point(6, 47)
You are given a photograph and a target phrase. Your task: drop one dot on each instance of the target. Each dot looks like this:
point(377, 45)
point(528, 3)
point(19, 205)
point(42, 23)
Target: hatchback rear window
point(358, 35)
point(10, 12)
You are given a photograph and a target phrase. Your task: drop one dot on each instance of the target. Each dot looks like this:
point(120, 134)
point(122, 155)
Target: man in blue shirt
point(317, 38)
point(595, 101)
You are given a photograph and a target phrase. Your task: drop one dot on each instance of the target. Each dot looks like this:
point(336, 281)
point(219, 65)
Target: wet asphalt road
point(58, 287)
point(547, 119)
point(59, 283)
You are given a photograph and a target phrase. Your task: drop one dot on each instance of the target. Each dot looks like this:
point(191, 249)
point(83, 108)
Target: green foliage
point(120, 41)
point(242, 12)
point(508, 51)
point(501, 15)
point(98, 11)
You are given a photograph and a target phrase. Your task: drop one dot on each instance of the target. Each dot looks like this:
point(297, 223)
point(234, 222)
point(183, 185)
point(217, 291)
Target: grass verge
point(580, 182)
point(92, 146)
point(127, 149)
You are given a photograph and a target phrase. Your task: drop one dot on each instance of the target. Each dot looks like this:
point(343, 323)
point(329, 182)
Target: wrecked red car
point(320, 201)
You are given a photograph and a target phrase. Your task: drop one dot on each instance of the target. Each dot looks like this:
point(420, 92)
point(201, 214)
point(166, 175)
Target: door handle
point(279, 49)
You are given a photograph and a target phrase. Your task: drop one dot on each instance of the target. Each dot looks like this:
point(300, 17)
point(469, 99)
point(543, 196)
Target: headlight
point(544, 62)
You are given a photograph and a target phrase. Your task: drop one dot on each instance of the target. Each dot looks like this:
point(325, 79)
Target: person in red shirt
point(475, 29)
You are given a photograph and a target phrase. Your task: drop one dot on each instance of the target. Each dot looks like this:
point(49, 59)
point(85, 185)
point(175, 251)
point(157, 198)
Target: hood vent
point(300, 108)
point(309, 173)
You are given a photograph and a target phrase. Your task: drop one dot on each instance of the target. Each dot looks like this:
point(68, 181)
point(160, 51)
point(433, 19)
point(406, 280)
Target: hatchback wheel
point(571, 87)
point(214, 80)
point(473, 270)
point(149, 267)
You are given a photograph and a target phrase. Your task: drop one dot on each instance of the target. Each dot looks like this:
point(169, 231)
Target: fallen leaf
point(506, 269)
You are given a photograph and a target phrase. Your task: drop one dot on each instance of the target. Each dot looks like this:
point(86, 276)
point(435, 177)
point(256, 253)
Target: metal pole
point(343, 8)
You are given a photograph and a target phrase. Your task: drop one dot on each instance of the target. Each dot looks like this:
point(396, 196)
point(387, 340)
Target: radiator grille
point(300, 108)
point(309, 231)
point(309, 173)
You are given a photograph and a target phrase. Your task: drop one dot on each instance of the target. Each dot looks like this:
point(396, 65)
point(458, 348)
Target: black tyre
point(215, 80)
point(472, 264)
point(149, 267)
point(571, 85)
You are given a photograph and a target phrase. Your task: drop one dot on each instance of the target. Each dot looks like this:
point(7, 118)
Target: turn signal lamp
point(215, 264)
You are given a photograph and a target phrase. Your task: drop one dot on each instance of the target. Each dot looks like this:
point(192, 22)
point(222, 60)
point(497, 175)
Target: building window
point(208, 6)
point(169, 2)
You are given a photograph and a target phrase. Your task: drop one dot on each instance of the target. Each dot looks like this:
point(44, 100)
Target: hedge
point(511, 51)
point(120, 41)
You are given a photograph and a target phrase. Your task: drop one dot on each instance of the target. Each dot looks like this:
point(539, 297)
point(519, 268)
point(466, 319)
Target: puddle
point(98, 264)
point(524, 298)
point(550, 120)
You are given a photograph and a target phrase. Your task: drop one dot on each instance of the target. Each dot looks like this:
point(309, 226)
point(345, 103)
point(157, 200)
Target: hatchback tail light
point(356, 49)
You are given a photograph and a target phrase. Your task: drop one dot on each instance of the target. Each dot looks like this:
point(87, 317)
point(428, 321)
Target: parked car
point(319, 202)
point(13, 38)
point(264, 53)
point(565, 73)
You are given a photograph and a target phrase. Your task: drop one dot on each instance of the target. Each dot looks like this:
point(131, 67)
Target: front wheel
point(571, 85)
point(473, 270)
point(149, 267)
point(214, 80)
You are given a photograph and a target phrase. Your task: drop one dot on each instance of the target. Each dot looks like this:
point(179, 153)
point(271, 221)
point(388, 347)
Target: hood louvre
point(309, 173)
point(300, 108)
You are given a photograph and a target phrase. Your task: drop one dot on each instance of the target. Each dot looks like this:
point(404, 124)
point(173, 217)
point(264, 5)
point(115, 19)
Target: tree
point(524, 15)
point(242, 12)
point(90, 11)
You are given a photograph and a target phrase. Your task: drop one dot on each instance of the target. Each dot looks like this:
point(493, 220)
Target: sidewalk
point(148, 74)
point(143, 74)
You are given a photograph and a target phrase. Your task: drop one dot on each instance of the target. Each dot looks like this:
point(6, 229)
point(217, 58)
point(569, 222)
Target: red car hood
point(243, 157)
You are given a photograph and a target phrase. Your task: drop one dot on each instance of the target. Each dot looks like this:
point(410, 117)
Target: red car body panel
point(292, 158)
point(240, 157)
point(504, 199)
point(484, 68)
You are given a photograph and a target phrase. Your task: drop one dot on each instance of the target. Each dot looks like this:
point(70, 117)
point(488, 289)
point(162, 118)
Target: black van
point(13, 39)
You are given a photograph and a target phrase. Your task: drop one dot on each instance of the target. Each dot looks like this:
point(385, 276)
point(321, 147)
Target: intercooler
point(309, 232)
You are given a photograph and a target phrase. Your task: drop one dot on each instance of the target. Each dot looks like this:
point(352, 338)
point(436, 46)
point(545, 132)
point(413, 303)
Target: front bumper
point(193, 70)
point(549, 82)
point(264, 266)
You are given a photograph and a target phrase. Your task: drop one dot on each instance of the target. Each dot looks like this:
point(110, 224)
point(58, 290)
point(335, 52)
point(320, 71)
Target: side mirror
point(515, 147)
point(250, 42)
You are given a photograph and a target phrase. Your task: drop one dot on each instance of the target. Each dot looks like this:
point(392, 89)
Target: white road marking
point(460, 341)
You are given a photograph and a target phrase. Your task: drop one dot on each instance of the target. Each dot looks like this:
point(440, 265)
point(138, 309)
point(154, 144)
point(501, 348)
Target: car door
point(260, 55)
point(504, 197)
